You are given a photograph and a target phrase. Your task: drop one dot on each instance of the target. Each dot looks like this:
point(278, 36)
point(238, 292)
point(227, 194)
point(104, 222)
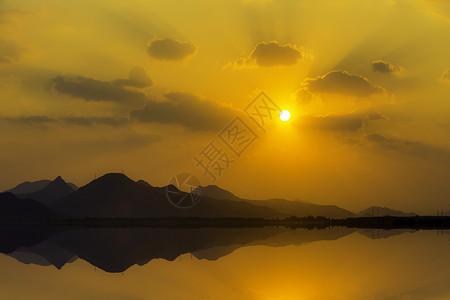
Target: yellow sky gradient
point(361, 133)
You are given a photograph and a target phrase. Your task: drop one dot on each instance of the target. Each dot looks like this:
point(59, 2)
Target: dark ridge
point(56, 189)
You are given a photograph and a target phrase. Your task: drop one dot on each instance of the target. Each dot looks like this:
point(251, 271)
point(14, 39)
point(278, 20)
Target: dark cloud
point(73, 120)
point(97, 90)
point(9, 51)
point(414, 148)
point(376, 137)
point(130, 141)
point(385, 67)
point(345, 122)
point(90, 121)
point(186, 110)
point(270, 54)
point(168, 49)
point(342, 83)
point(137, 77)
point(333, 122)
point(31, 120)
point(446, 75)
point(373, 116)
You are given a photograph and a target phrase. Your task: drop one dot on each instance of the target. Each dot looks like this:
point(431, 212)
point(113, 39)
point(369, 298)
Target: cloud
point(339, 122)
point(446, 75)
point(333, 122)
point(11, 15)
point(131, 140)
point(341, 83)
point(97, 90)
point(9, 51)
point(31, 120)
point(90, 121)
point(168, 49)
point(375, 116)
point(137, 77)
point(270, 54)
point(385, 67)
point(414, 148)
point(186, 110)
point(72, 120)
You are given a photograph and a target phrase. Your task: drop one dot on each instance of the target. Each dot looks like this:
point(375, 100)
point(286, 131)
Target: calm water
point(252, 263)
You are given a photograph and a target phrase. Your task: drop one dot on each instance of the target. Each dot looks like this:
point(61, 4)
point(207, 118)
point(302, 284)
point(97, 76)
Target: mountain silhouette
point(213, 191)
point(302, 209)
point(286, 207)
point(116, 195)
point(12, 207)
point(28, 187)
point(145, 183)
point(376, 211)
point(56, 189)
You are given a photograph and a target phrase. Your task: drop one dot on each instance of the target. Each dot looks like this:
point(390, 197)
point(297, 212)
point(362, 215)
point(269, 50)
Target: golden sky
point(143, 86)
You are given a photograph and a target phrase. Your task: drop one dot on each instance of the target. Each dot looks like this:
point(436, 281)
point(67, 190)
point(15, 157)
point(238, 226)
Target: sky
point(156, 88)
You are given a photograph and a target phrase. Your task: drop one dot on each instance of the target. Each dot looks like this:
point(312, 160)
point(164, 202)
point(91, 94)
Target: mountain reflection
point(116, 249)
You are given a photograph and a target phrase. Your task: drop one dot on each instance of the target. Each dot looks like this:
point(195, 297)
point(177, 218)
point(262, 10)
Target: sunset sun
point(285, 115)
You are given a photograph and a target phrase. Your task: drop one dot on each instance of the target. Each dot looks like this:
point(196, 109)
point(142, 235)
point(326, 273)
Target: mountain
point(28, 187)
point(56, 189)
point(286, 207)
point(376, 211)
point(12, 207)
point(72, 185)
point(301, 209)
point(116, 195)
point(215, 192)
point(145, 183)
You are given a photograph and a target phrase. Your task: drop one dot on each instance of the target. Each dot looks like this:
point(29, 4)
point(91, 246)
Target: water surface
point(239, 263)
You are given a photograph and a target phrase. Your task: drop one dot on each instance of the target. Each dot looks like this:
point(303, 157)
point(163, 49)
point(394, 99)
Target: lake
point(224, 263)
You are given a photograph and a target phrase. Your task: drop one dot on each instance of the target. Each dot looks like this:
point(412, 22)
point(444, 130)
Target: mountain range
point(116, 195)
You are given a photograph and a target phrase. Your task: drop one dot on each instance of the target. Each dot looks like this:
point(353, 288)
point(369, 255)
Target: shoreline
point(386, 222)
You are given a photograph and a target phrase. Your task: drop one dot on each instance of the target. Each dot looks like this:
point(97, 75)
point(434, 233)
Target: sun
point(285, 115)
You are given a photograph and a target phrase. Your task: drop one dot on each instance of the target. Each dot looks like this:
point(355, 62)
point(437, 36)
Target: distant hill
point(215, 192)
point(116, 195)
point(56, 189)
point(29, 187)
point(301, 209)
point(12, 207)
point(285, 207)
point(376, 211)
